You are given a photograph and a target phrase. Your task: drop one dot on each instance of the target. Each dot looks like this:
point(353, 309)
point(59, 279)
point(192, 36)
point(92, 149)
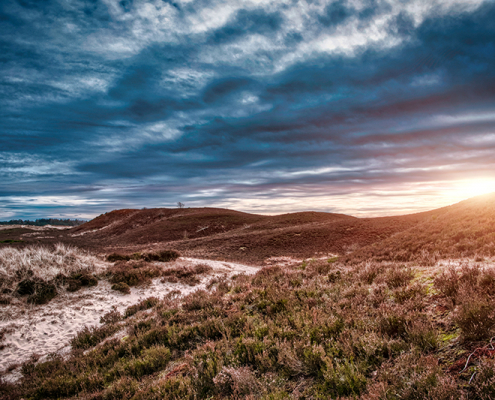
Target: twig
point(472, 376)
point(475, 350)
point(467, 362)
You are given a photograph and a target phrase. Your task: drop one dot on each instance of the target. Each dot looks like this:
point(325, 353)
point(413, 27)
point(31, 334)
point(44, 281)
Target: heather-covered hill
point(233, 235)
point(130, 227)
point(465, 229)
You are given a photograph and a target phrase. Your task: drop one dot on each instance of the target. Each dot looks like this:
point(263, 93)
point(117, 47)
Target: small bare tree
point(180, 205)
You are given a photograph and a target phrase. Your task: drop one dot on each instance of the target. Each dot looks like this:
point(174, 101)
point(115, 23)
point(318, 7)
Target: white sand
point(45, 329)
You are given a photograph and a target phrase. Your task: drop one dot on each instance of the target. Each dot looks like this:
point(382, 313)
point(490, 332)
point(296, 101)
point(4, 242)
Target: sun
point(472, 188)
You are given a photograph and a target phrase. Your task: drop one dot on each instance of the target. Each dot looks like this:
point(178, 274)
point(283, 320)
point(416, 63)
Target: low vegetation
point(162, 256)
point(124, 274)
point(466, 229)
point(39, 272)
point(321, 329)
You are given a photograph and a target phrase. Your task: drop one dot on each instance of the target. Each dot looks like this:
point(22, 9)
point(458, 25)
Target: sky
point(361, 107)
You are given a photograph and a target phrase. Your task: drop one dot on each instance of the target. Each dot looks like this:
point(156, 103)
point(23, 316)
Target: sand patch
point(45, 329)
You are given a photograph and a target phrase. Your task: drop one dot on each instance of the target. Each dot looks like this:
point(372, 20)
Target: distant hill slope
point(465, 229)
point(227, 234)
point(137, 227)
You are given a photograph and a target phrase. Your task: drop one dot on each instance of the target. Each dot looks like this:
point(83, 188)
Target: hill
point(226, 234)
point(465, 229)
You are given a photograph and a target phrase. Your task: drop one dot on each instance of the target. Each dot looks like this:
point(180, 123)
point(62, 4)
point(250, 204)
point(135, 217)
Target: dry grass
point(31, 269)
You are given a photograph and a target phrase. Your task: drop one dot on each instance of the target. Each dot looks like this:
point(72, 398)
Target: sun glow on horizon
point(471, 188)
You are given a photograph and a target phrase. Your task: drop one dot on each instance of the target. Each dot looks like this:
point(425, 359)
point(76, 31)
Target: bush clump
point(142, 305)
point(187, 275)
point(121, 287)
point(91, 336)
point(37, 290)
point(162, 256)
point(77, 281)
point(133, 273)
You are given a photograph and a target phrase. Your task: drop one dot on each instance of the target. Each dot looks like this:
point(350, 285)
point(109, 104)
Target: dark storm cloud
point(132, 103)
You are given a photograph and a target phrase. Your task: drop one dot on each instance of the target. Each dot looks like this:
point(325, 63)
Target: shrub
point(122, 389)
point(73, 285)
point(186, 275)
point(448, 283)
point(142, 305)
point(398, 276)
point(86, 279)
point(202, 268)
point(483, 384)
point(264, 337)
point(423, 334)
point(133, 274)
point(370, 272)
point(343, 379)
point(43, 294)
point(111, 317)
point(162, 256)
point(114, 257)
point(38, 291)
point(413, 377)
point(476, 317)
point(90, 336)
point(76, 281)
point(236, 382)
point(150, 360)
point(393, 325)
point(122, 287)
point(28, 286)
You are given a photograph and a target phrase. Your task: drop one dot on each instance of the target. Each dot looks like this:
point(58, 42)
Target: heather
point(320, 329)
point(466, 229)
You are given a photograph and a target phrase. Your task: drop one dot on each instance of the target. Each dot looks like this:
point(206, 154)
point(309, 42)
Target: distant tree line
point(45, 221)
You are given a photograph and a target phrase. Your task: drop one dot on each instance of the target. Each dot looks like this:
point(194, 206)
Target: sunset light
point(247, 199)
point(475, 188)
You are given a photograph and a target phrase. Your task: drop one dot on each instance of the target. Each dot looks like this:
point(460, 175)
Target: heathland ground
point(335, 306)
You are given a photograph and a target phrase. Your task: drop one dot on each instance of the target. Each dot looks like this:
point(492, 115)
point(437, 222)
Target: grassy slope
point(466, 229)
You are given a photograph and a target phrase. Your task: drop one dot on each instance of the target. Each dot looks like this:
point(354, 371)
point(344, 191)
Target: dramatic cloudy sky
point(365, 107)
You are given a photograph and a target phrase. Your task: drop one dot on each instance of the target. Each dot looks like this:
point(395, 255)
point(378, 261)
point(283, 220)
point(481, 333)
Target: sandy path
point(48, 328)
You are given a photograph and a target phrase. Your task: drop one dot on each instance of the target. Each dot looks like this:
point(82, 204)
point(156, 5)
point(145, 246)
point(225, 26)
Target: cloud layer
point(366, 107)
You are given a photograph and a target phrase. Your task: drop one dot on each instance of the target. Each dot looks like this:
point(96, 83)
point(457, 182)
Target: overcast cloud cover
point(365, 107)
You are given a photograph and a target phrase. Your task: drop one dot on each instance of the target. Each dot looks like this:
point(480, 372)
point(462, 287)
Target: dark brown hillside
point(129, 227)
point(338, 236)
point(465, 229)
point(232, 235)
point(138, 228)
